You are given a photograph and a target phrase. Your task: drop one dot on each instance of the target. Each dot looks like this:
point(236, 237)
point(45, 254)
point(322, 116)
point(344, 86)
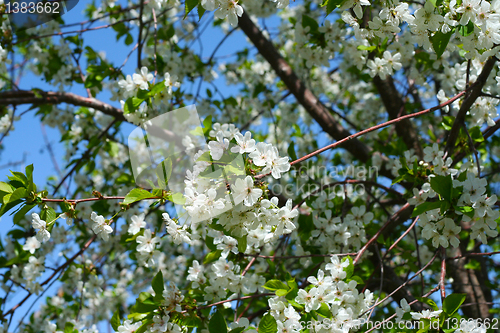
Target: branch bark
point(51, 97)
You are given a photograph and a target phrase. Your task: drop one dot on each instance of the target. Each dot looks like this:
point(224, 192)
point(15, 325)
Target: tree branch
point(51, 97)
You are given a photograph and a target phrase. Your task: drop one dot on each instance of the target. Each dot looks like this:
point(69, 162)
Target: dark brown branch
point(52, 97)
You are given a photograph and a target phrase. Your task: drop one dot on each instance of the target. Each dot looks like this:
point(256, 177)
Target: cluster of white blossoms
point(224, 280)
point(335, 234)
point(29, 274)
point(444, 230)
point(225, 8)
point(231, 10)
point(425, 20)
point(132, 84)
point(42, 234)
point(343, 302)
point(7, 120)
point(172, 298)
point(3, 68)
point(100, 226)
point(235, 200)
point(385, 66)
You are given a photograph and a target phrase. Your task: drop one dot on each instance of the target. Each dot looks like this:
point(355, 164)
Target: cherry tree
point(364, 187)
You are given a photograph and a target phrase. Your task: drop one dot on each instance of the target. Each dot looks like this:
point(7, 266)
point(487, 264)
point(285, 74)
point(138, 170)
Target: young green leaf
point(212, 256)
point(190, 5)
point(267, 324)
point(217, 323)
point(136, 194)
point(115, 320)
point(440, 41)
point(158, 286)
point(274, 285)
point(443, 185)
point(453, 302)
point(424, 207)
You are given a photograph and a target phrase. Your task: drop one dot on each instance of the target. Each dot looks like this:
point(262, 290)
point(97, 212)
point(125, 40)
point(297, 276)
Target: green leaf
point(466, 210)
point(132, 104)
point(367, 48)
point(177, 198)
point(144, 327)
point(424, 207)
point(308, 21)
point(70, 328)
point(129, 39)
point(205, 157)
point(448, 122)
point(158, 285)
point(209, 242)
point(207, 125)
point(115, 320)
point(429, 302)
point(452, 303)
point(436, 3)
point(136, 194)
point(29, 172)
point(7, 188)
point(292, 284)
point(237, 330)
point(112, 148)
point(425, 328)
point(163, 172)
point(146, 303)
point(281, 292)
point(190, 5)
point(350, 268)
point(192, 321)
point(466, 30)
point(476, 134)
point(201, 11)
point(48, 214)
point(242, 244)
point(217, 323)
point(18, 194)
point(17, 233)
point(274, 285)
point(324, 310)
point(291, 151)
point(157, 88)
point(20, 177)
point(473, 264)
point(443, 185)
point(306, 226)
point(331, 5)
point(268, 324)
point(440, 41)
point(212, 256)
